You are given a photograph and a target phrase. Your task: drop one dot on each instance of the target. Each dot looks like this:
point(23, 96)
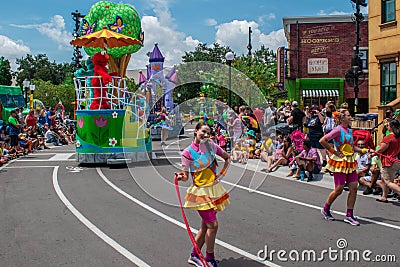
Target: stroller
point(281, 128)
point(297, 140)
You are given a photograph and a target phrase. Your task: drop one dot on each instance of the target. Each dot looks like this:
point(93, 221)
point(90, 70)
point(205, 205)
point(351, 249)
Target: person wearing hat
point(296, 117)
point(251, 140)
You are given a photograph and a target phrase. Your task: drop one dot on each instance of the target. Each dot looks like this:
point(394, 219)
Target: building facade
point(320, 51)
point(384, 55)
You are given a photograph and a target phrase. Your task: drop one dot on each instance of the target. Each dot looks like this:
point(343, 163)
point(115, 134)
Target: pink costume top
point(203, 194)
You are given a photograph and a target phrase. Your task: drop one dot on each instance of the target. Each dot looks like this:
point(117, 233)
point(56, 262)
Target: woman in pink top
point(206, 194)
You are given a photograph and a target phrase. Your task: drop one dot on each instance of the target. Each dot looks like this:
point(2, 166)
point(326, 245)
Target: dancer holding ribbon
point(206, 194)
point(342, 164)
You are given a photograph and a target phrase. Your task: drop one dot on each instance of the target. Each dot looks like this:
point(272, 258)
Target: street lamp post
point(76, 16)
point(26, 84)
point(32, 89)
point(229, 57)
point(356, 64)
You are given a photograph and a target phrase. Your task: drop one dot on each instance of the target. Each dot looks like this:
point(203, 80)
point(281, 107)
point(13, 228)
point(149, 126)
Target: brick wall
point(332, 41)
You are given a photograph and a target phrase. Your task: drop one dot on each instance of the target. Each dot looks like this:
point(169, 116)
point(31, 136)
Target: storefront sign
point(317, 65)
point(281, 64)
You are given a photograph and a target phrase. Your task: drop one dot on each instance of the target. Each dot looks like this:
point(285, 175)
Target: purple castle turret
point(156, 60)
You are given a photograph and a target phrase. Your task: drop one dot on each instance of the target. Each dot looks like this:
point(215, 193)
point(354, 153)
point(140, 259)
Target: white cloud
point(323, 13)
point(235, 35)
point(261, 20)
point(55, 30)
point(210, 22)
point(161, 29)
point(12, 50)
point(171, 43)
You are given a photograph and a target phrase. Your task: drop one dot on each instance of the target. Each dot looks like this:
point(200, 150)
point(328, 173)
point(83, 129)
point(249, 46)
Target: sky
point(46, 26)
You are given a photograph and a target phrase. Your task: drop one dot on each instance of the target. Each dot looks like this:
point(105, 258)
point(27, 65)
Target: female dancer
point(342, 164)
point(206, 194)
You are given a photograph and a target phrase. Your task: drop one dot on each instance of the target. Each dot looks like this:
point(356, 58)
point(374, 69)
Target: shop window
point(388, 10)
point(388, 82)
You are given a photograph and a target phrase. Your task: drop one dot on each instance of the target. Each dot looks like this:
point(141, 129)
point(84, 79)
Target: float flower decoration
point(112, 141)
point(81, 122)
point(100, 122)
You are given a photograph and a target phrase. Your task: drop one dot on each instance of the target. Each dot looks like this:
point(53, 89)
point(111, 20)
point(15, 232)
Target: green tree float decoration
point(121, 18)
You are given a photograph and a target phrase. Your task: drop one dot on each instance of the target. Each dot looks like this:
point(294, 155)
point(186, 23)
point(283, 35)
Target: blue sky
point(45, 26)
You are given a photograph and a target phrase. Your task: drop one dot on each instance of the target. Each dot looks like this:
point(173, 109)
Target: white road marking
point(61, 156)
point(74, 169)
point(182, 225)
point(120, 249)
point(41, 160)
point(308, 205)
point(29, 167)
point(179, 165)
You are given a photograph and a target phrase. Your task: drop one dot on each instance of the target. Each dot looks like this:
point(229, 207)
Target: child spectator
point(308, 160)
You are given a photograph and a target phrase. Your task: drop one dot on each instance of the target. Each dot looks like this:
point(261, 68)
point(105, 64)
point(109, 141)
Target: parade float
point(111, 120)
point(158, 89)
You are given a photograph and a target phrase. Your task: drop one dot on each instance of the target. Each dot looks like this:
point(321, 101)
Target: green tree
point(5, 72)
point(51, 94)
point(261, 69)
point(214, 53)
point(40, 68)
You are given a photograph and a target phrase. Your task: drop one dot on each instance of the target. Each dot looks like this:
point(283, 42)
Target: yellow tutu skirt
point(347, 164)
point(207, 197)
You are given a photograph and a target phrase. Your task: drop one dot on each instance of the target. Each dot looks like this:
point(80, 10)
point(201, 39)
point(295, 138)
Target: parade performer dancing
point(206, 194)
point(343, 165)
point(163, 123)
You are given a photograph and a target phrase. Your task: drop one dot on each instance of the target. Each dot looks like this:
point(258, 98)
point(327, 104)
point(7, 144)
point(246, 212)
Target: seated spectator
point(3, 158)
point(71, 133)
point(308, 160)
point(281, 156)
point(245, 148)
point(52, 137)
point(236, 153)
point(24, 143)
point(371, 182)
point(364, 165)
point(266, 147)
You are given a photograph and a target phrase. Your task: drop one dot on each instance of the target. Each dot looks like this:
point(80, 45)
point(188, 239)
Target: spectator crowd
point(22, 135)
point(289, 137)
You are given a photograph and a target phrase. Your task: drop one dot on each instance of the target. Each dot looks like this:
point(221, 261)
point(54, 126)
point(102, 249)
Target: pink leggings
point(208, 216)
point(342, 178)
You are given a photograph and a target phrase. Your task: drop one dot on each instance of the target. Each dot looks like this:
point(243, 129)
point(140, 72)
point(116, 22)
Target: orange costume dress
point(203, 194)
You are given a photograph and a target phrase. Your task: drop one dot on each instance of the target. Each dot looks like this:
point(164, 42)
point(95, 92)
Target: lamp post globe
point(26, 84)
point(229, 56)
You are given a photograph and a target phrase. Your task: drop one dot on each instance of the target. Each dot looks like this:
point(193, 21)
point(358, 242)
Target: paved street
point(54, 212)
